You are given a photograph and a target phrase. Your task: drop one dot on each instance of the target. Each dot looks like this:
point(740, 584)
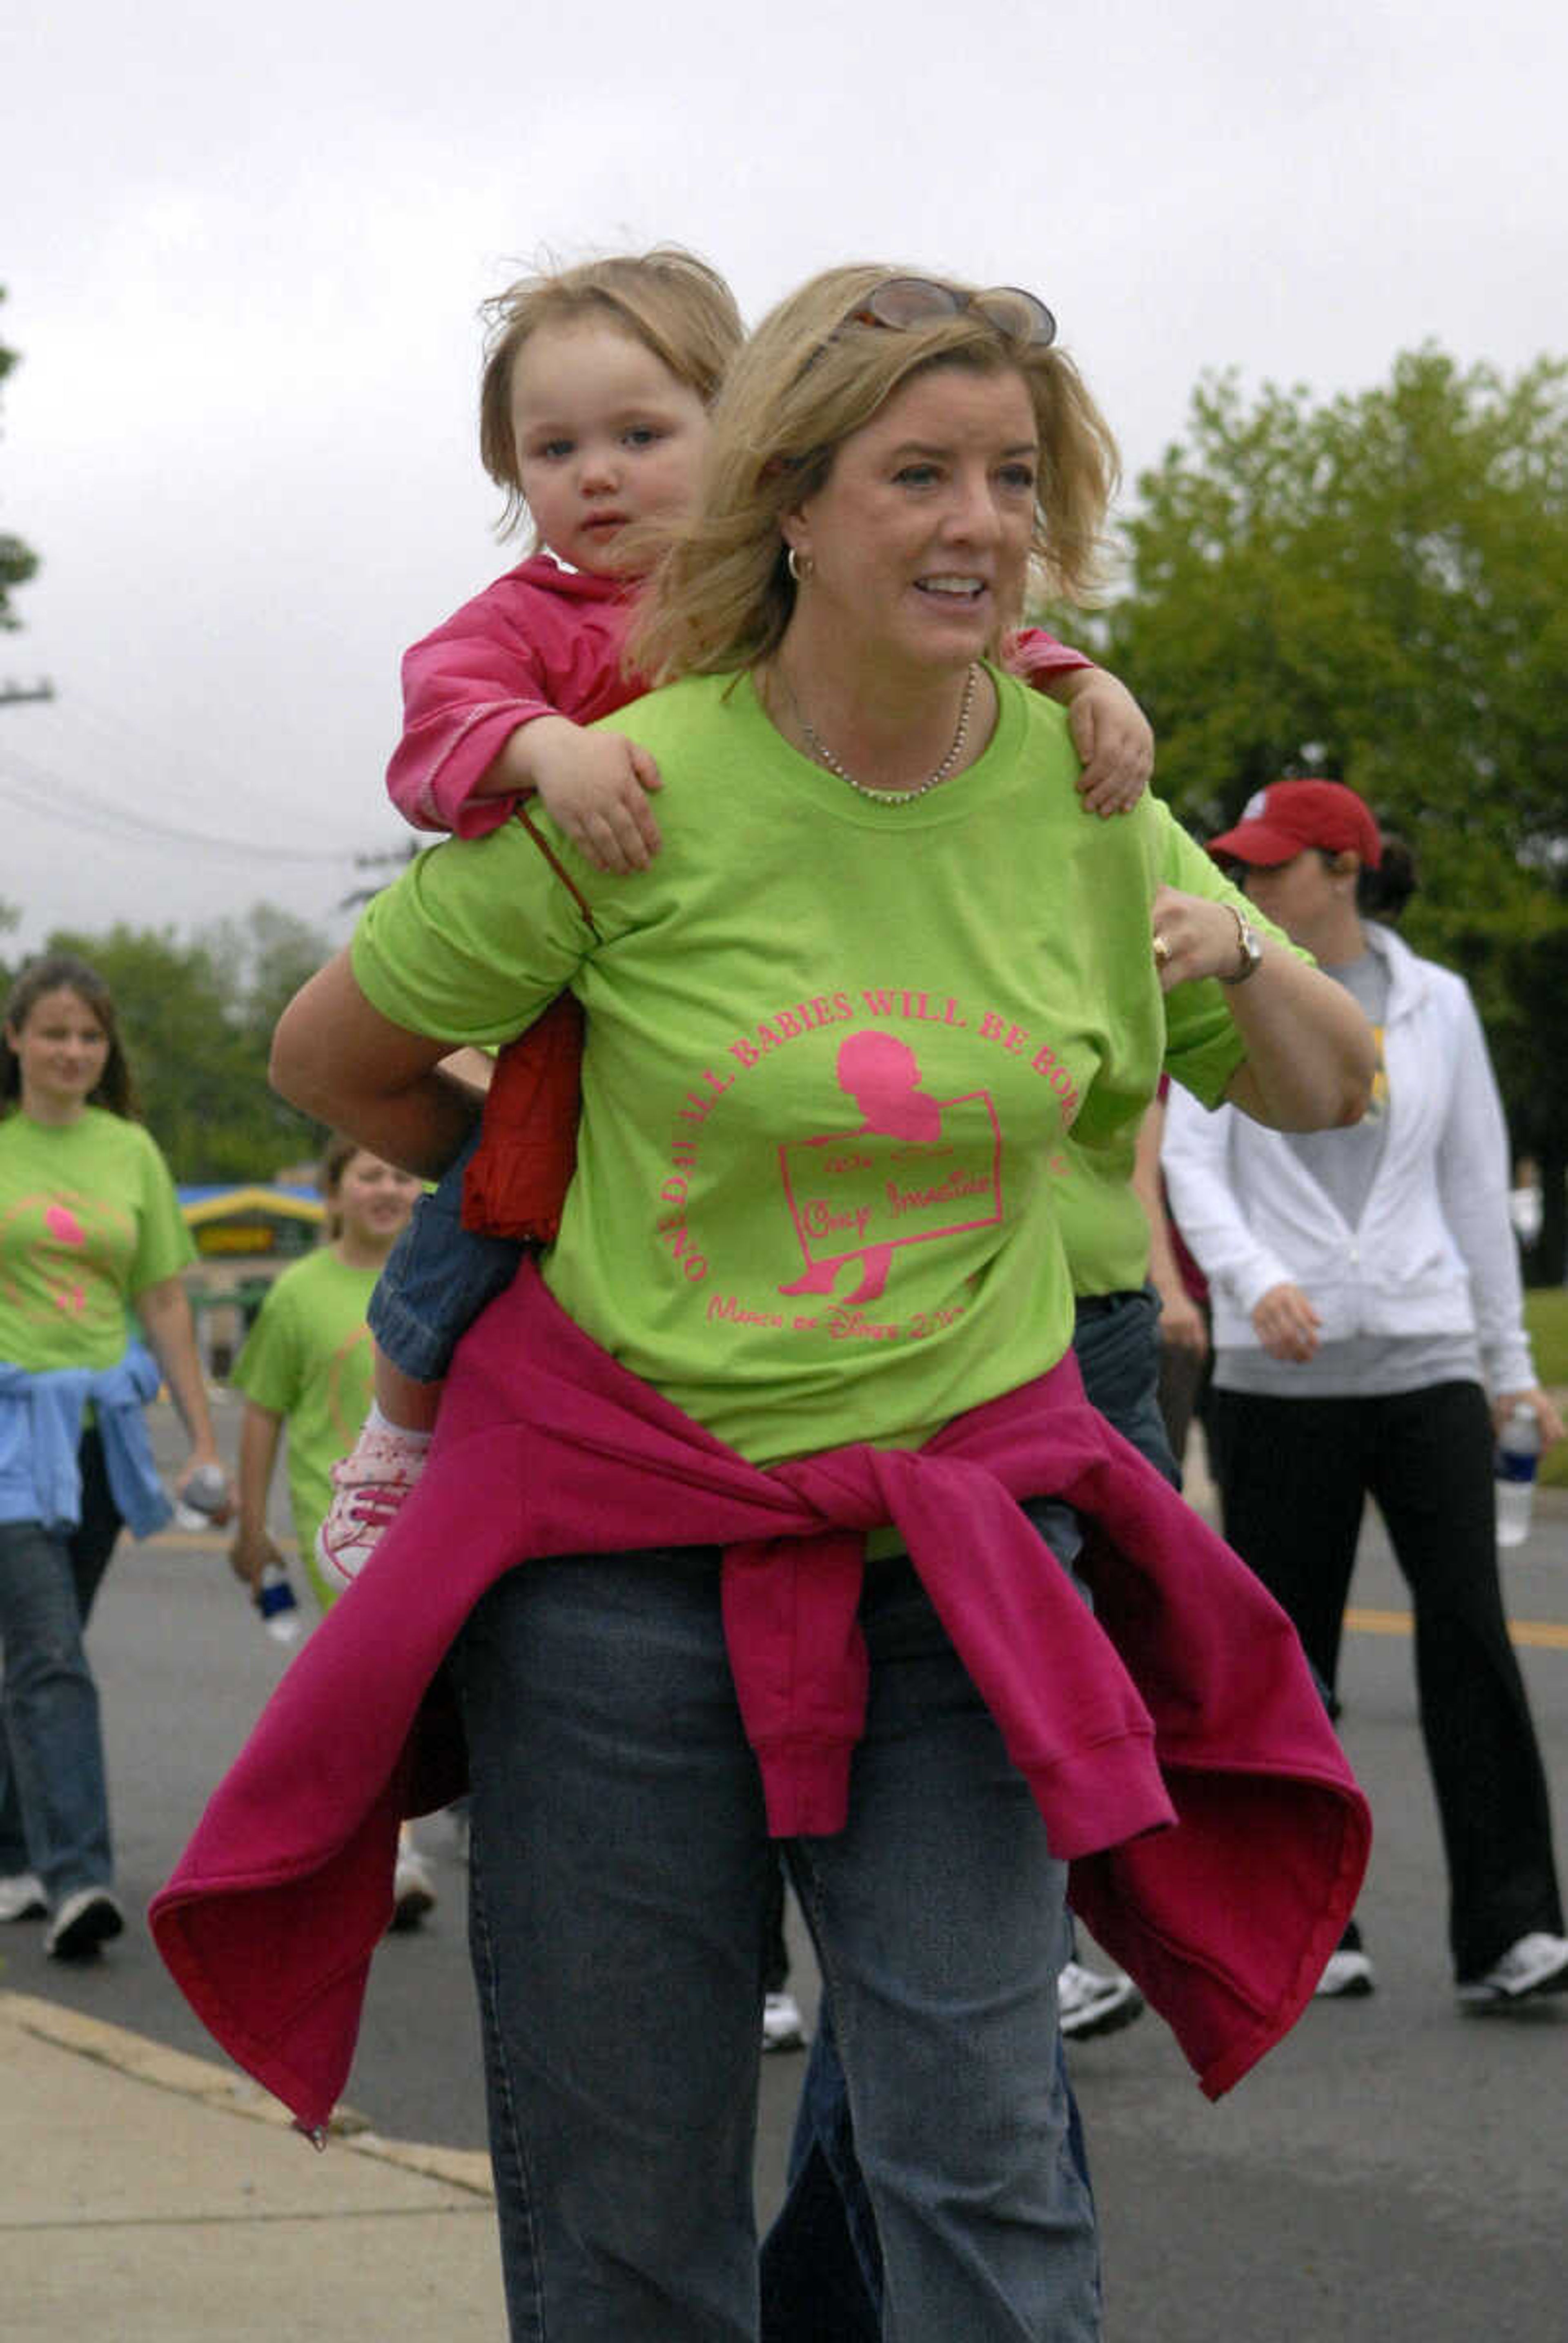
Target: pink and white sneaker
point(371, 1485)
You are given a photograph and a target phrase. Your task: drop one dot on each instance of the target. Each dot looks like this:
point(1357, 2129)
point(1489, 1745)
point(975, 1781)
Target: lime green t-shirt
point(1103, 1223)
point(88, 1219)
point(309, 1358)
point(833, 1046)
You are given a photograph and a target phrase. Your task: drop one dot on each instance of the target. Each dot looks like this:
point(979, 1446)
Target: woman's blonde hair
point(668, 300)
point(720, 595)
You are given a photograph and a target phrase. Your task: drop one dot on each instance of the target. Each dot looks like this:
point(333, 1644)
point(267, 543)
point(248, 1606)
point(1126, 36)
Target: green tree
point(17, 561)
point(197, 1017)
point(1376, 586)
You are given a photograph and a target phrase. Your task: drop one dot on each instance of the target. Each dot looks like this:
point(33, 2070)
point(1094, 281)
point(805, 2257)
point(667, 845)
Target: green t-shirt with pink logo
point(1103, 1223)
point(88, 1218)
point(832, 1047)
point(310, 1359)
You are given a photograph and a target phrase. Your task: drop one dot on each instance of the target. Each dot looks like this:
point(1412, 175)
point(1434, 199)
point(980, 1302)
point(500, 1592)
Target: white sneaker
point(22, 1898)
point(1347, 1976)
point(369, 1487)
point(1087, 2003)
point(1536, 1964)
point(783, 2028)
point(413, 1890)
point(87, 1919)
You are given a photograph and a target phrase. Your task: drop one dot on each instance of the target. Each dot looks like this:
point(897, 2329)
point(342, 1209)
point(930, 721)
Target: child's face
point(605, 435)
point(374, 1199)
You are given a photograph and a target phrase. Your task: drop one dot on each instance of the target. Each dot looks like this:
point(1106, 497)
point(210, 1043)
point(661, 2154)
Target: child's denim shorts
point(438, 1276)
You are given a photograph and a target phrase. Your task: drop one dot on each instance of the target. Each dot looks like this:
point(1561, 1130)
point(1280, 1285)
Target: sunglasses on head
point(901, 302)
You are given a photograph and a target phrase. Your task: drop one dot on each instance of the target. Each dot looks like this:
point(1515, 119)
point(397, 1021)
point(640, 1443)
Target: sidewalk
point(152, 2198)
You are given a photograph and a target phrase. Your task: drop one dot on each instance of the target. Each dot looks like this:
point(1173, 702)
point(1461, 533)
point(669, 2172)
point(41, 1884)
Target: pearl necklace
point(824, 755)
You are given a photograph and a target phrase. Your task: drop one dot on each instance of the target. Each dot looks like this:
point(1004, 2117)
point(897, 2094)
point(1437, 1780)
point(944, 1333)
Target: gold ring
point(1162, 949)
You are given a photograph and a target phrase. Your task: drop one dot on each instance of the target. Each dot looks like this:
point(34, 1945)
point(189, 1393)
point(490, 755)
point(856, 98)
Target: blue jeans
point(436, 1279)
point(618, 1884)
point(54, 1794)
point(1116, 1341)
point(824, 2243)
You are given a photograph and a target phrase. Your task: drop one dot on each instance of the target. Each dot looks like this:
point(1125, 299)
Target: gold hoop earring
point(799, 565)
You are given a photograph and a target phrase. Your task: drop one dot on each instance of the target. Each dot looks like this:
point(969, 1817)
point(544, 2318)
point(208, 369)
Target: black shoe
point(87, 1919)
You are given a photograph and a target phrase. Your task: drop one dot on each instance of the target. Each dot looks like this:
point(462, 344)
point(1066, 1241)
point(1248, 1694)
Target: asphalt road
point(1392, 2171)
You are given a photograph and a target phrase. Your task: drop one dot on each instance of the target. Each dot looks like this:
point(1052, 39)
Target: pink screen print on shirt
point(917, 1169)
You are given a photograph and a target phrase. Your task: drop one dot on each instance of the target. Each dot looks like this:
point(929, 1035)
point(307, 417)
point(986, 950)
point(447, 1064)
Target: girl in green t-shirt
point(306, 1361)
point(91, 1241)
point(306, 1368)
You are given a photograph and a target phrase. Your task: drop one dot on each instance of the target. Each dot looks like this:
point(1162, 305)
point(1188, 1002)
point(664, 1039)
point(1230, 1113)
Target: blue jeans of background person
point(436, 1279)
point(54, 1794)
point(619, 1868)
point(1116, 1341)
point(821, 2261)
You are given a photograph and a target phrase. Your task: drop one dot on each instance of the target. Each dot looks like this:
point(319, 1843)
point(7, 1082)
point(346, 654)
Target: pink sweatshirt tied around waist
point(1172, 1737)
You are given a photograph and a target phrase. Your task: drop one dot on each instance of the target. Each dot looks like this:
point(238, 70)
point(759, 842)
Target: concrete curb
point(222, 2088)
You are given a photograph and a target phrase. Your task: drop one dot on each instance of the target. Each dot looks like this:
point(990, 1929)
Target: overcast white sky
point(244, 249)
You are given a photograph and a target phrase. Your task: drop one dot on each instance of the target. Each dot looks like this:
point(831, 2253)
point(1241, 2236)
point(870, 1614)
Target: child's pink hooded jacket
point(541, 641)
point(1172, 1738)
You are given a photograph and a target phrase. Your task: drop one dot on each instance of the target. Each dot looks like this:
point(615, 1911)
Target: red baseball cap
point(1279, 823)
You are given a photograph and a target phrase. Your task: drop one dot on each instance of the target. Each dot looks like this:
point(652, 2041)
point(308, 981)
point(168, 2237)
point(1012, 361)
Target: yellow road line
point(1531, 1635)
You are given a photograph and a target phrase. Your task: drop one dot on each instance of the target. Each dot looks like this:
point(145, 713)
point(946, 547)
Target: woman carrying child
point(593, 420)
point(782, 1431)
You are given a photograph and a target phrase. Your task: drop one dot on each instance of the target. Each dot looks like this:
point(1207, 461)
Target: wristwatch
point(1250, 945)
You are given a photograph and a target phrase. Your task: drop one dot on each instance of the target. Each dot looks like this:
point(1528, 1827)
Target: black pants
point(1294, 1476)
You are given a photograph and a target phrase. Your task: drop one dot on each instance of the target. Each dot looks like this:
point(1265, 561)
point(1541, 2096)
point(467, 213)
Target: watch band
point(1249, 944)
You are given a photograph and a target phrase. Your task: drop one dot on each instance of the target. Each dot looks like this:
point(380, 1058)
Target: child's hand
point(252, 1552)
point(1112, 736)
point(596, 787)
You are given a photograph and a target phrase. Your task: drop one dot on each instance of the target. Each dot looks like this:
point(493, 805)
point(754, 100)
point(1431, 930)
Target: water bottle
point(202, 1498)
point(1518, 1450)
point(278, 1605)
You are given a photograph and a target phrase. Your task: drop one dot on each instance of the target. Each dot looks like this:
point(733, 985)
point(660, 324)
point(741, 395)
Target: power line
point(40, 792)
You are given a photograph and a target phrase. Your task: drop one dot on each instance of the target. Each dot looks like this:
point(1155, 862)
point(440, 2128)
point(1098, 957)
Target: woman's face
point(374, 1199)
point(61, 1051)
point(919, 542)
point(1298, 895)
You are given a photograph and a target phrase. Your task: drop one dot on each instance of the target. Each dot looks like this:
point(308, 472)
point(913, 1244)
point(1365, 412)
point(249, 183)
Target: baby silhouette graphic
point(883, 1075)
point(897, 1180)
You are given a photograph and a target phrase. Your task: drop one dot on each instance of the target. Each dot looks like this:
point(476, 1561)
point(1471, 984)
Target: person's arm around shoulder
point(481, 730)
point(1113, 737)
point(1311, 1052)
point(594, 785)
point(336, 1056)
